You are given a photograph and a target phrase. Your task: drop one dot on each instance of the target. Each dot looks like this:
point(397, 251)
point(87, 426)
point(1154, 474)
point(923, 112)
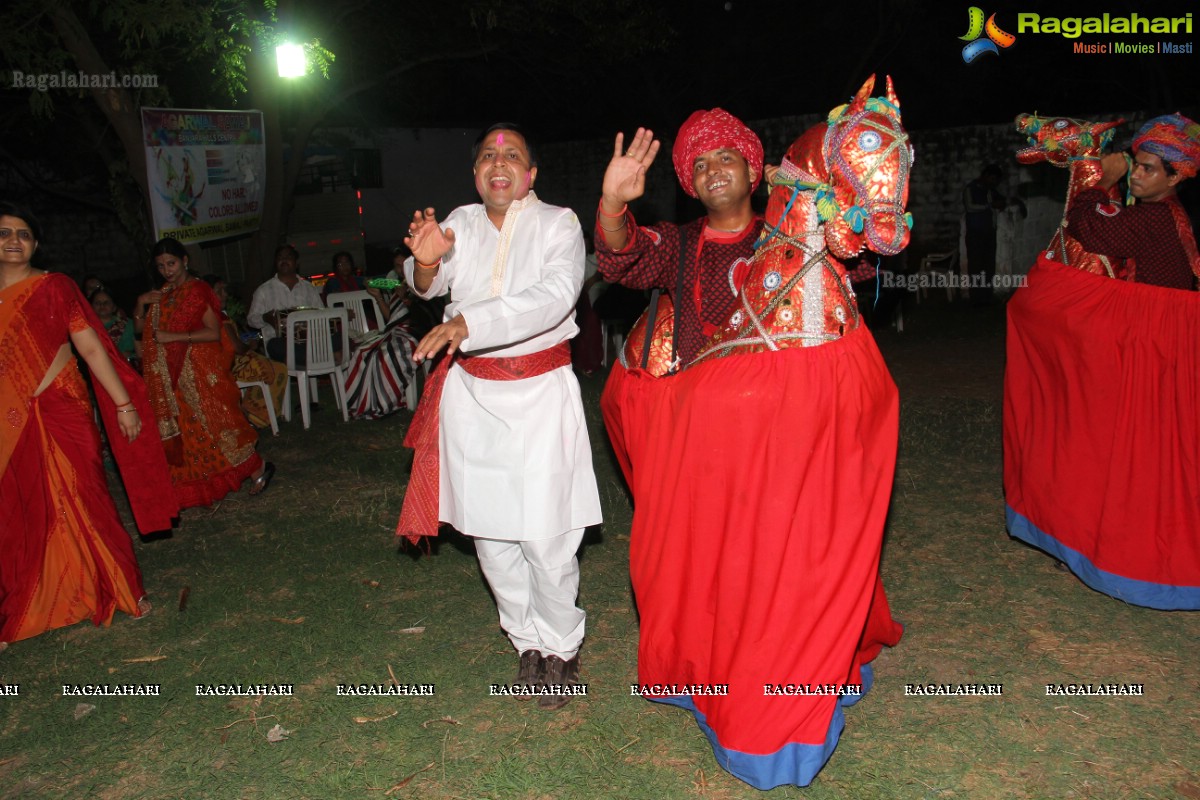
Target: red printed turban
point(709, 130)
point(1175, 139)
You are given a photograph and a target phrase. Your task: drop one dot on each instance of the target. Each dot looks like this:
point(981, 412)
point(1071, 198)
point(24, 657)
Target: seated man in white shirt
point(286, 290)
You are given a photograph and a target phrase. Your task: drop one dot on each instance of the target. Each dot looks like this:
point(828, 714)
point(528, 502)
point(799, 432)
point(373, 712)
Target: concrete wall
point(431, 167)
point(946, 160)
point(428, 167)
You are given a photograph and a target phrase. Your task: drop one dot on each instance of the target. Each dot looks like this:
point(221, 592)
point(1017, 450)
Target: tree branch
point(115, 103)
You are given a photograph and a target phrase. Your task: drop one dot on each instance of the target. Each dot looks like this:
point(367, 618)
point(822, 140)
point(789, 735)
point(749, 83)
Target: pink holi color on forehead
point(500, 139)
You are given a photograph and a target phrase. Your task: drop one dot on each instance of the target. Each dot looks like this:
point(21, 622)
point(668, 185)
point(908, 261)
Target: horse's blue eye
point(869, 141)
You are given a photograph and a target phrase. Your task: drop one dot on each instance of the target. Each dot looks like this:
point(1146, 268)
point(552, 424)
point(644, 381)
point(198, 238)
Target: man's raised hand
point(1115, 165)
point(427, 241)
point(625, 178)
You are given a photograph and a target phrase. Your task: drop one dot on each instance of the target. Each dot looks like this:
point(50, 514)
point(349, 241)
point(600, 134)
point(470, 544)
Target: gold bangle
point(126, 410)
point(189, 337)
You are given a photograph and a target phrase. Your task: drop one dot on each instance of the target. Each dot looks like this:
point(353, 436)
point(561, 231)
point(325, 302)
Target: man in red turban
point(702, 450)
point(1154, 237)
point(719, 161)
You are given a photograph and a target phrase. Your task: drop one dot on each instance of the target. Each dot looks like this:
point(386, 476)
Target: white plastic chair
point(928, 266)
point(270, 401)
point(357, 303)
point(320, 358)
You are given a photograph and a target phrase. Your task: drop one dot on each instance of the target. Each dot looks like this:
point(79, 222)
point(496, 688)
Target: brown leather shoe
point(529, 673)
point(562, 674)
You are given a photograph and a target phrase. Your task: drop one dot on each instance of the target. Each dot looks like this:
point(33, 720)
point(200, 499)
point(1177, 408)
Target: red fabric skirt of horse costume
point(761, 485)
point(1102, 432)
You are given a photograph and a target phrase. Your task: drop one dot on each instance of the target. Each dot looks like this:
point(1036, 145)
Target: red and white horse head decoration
point(841, 189)
point(1066, 142)
point(1075, 144)
point(867, 156)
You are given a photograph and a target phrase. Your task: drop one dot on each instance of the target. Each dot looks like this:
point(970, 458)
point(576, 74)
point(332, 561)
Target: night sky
point(763, 58)
point(603, 66)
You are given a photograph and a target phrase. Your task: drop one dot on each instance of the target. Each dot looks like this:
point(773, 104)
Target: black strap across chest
point(655, 294)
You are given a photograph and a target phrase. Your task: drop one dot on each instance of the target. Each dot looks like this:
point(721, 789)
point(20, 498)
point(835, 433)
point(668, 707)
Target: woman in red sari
point(66, 556)
point(196, 402)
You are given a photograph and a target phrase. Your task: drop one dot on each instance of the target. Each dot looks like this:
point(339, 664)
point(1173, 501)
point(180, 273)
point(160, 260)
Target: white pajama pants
point(536, 584)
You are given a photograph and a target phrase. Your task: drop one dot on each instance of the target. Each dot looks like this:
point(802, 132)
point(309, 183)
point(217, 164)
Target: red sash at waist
point(419, 516)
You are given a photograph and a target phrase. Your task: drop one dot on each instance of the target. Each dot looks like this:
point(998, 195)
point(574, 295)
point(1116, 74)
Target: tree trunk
point(116, 104)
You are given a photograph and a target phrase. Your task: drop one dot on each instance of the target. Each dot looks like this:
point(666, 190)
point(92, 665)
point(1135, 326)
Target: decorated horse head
point(1063, 141)
point(840, 190)
point(1075, 144)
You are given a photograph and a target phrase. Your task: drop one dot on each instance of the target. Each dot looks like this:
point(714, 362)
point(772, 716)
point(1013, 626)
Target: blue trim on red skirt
point(793, 764)
point(1162, 596)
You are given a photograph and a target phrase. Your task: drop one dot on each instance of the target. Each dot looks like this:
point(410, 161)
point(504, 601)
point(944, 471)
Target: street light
point(292, 63)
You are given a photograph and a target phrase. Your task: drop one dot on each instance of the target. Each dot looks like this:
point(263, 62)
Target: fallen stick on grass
point(406, 781)
point(252, 718)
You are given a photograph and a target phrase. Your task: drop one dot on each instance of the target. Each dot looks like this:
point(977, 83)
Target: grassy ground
point(304, 586)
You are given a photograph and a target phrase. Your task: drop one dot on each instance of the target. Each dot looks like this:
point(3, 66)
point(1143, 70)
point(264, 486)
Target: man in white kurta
point(516, 467)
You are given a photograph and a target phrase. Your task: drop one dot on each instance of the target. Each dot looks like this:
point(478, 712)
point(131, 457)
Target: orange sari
point(254, 367)
point(196, 401)
point(66, 556)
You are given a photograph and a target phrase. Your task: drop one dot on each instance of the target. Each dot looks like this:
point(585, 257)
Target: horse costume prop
point(1102, 378)
point(761, 472)
point(1077, 145)
point(841, 188)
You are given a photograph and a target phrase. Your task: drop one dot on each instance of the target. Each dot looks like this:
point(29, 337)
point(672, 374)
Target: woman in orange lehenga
point(65, 555)
point(196, 402)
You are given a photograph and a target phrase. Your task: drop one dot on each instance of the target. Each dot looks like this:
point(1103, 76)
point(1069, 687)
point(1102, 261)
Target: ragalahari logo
point(976, 28)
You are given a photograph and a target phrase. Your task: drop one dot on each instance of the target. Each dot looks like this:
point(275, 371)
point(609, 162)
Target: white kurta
point(516, 462)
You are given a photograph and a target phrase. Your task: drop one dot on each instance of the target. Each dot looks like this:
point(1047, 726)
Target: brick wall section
point(88, 243)
point(76, 239)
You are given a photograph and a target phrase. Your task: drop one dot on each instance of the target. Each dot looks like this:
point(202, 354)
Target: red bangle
point(434, 265)
point(603, 213)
